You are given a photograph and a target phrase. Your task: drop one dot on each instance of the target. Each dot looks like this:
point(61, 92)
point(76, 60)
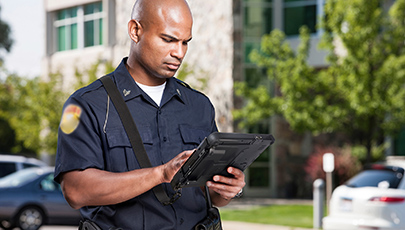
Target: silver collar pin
point(126, 92)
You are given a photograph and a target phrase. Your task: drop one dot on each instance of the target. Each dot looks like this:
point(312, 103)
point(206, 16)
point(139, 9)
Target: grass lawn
point(287, 215)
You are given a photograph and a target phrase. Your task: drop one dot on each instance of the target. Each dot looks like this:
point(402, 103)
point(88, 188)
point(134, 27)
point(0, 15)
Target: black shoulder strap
point(134, 136)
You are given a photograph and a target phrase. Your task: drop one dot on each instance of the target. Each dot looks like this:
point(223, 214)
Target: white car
point(373, 199)
point(13, 163)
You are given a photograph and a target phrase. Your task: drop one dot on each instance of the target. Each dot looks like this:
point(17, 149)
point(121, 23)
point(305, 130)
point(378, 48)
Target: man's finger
point(234, 171)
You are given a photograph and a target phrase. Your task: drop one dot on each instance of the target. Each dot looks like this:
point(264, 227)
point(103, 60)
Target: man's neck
point(142, 77)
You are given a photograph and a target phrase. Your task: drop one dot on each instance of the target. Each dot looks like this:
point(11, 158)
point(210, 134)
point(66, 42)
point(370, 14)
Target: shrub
point(346, 165)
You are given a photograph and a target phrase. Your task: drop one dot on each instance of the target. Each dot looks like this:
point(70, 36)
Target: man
point(95, 164)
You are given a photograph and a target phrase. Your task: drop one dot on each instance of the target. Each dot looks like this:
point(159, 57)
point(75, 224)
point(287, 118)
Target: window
point(257, 21)
point(7, 168)
point(257, 18)
point(78, 27)
point(66, 29)
point(298, 13)
point(372, 178)
point(28, 165)
point(48, 184)
point(93, 24)
point(261, 17)
point(259, 170)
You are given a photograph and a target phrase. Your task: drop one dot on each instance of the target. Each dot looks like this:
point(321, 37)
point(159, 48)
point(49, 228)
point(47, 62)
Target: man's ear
point(134, 30)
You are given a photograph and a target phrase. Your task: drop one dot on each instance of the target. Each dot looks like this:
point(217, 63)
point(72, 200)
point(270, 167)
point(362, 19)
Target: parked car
point(12, 163)
point(29, 198)
point(373, 199)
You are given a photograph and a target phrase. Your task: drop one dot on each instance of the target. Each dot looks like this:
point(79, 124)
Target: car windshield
point(20, 177)
point(372, 178)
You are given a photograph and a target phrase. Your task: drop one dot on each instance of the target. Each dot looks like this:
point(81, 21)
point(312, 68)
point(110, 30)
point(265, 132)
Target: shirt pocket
point(119, 138)
point(120, 155)
point(192, 136)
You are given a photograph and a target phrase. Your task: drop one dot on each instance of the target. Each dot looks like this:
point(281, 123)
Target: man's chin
point(169, 74)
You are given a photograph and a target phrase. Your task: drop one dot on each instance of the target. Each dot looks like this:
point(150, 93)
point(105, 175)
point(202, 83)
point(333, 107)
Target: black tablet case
point(216, 153)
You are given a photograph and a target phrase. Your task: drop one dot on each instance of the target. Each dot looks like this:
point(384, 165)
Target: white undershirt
point(154, 92)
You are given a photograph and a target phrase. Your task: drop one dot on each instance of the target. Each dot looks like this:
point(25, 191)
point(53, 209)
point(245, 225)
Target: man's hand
point(170, 168)
point(226, 187)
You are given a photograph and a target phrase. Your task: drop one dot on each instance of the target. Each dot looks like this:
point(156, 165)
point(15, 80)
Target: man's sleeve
point(79, 143)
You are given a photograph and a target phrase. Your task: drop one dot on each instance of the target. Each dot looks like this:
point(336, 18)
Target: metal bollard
point(319, 200)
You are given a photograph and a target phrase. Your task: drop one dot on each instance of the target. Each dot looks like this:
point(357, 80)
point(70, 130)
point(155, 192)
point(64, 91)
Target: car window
point(47, 184)
point(371, 178)
point(19, 178)
point(7, 168)
point(28, 165)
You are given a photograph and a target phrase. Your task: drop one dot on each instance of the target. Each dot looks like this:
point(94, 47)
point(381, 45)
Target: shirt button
point(181, 221)
point(164, 139)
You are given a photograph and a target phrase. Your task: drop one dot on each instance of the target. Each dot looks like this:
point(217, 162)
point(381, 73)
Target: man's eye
point(167, 40)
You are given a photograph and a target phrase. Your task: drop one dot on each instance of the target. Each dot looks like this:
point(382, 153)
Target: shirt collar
point(125, 83)
point(173, 89)
point(129, 89)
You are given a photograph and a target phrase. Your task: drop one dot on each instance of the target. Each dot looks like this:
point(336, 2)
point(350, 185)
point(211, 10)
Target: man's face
point(164, 43)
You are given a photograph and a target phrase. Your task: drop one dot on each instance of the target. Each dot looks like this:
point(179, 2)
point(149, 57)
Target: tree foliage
point(6, 40)
point(33, 111)
point(32, 107)
point(360, 93)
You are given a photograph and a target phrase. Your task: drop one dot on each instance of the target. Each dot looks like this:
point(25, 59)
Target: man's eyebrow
point(174, 38)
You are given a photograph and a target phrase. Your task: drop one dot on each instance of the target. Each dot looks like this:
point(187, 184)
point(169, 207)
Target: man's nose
point(179, 50)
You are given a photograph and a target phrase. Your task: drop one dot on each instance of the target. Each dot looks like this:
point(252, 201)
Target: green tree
point(7, 134)
point(6, 41)
point(360, 93)
point(34, 112)
point(86, 76)
point(32, 107)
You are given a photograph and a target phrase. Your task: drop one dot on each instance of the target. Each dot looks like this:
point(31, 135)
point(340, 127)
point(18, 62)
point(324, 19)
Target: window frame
point(299, 4)
point(79, 20)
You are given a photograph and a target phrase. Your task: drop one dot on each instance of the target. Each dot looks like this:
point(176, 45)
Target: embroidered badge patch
point(70, 118)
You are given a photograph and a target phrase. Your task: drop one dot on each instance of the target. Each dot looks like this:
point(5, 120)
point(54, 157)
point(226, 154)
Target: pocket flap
point(118, 137)
point(192, 135)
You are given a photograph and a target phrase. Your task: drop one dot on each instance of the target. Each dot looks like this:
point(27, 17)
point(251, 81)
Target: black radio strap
point(134, 137)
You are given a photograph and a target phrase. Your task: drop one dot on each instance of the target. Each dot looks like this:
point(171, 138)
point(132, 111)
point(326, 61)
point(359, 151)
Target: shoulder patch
point(70, 118)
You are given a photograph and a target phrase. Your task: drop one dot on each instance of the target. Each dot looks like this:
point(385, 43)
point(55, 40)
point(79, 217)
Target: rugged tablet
point(216, 153)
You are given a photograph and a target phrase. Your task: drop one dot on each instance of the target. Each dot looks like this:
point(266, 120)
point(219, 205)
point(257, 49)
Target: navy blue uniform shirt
point(91, 135)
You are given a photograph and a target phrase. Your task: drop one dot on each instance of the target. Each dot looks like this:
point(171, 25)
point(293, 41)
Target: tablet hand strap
point(134, 137)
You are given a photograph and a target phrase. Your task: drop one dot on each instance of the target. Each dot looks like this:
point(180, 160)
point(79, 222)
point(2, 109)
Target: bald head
point(160, 31)
point(148, 11)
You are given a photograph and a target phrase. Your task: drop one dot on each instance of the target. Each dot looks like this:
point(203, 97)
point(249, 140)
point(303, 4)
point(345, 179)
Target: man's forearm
point(94, 187)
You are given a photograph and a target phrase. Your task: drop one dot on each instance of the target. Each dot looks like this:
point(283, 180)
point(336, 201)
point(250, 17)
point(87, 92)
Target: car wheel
point(30, 218)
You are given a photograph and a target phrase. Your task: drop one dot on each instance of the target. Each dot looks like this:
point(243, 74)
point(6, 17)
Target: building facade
point(81, 32)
